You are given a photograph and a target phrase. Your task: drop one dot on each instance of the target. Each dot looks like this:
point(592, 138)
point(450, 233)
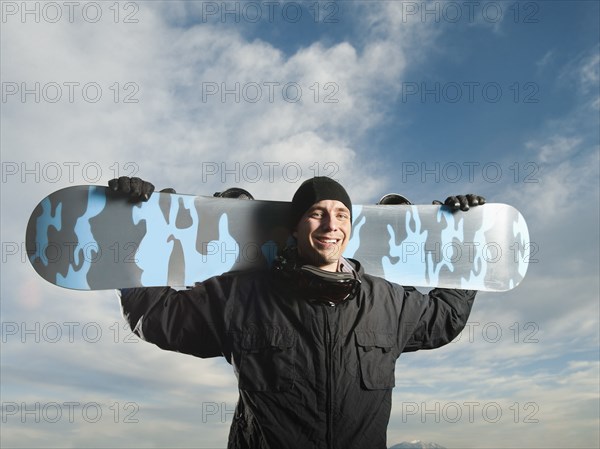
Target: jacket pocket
point(377, 354)
point(267, 359)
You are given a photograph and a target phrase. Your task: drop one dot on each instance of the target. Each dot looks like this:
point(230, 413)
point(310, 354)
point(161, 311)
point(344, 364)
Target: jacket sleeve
point(193, 321)
point(435, 319)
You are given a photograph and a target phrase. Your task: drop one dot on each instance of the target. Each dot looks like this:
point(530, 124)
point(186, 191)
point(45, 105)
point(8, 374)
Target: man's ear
point(295, 234)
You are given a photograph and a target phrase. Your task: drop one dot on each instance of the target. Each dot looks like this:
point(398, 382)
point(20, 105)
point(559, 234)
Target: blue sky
point(502, 100)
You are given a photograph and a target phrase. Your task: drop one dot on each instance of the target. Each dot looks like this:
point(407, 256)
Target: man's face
point(323, 233)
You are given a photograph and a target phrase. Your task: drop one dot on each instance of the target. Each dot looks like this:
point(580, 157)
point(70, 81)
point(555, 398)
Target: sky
point(427, 99)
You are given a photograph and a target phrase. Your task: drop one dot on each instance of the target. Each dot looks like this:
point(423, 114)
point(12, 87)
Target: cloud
point(545, 60)
point(589, 72)
point(201, 94)
point(523, 410)
point(555, 149)
point(582, 71)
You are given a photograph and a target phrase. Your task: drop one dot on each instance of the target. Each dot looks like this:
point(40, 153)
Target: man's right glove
point(135, 188)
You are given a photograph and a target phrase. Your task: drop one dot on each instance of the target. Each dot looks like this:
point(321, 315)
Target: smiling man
point(313, 340)
point(322, 222)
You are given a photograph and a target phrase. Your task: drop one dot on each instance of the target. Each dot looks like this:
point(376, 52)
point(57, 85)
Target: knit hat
point(314, 190)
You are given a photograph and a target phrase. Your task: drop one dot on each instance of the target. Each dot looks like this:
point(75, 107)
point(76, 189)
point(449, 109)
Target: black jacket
point(309, 375)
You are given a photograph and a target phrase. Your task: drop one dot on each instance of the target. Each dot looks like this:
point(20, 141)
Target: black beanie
point(314, 190)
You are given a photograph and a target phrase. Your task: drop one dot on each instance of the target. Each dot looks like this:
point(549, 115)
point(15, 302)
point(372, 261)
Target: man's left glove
point(135, 188)
point(462, 202)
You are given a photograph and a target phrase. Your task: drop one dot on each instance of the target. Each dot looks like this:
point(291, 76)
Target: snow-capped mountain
point(416, 444)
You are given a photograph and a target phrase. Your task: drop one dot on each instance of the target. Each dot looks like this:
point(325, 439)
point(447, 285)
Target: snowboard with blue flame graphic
point(89, 238)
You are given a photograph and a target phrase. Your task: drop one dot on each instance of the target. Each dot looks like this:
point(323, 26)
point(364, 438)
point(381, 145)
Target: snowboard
point(90, 238)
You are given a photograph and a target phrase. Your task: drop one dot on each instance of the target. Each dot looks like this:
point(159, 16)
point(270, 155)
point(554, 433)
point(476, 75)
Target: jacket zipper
point(329, 386)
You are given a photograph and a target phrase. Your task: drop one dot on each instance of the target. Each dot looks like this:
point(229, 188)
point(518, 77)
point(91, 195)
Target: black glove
point(462, 202)
point(393, 198)
point(234, 192)
point(135, 188)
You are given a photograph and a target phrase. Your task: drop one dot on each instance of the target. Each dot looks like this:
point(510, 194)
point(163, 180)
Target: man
point(314, 340)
